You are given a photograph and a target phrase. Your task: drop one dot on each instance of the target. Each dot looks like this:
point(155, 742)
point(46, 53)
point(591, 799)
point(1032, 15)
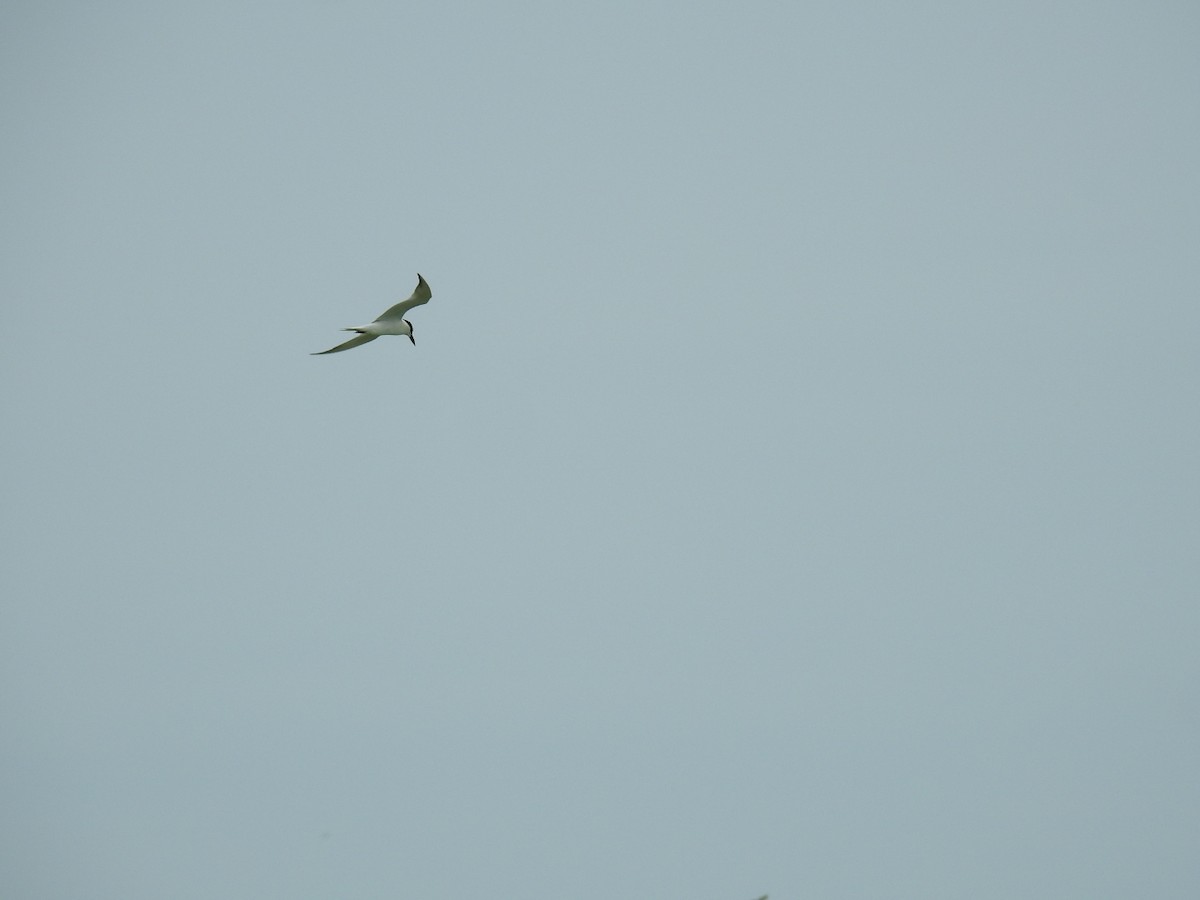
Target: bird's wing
point(357, 341)
point(419, 297)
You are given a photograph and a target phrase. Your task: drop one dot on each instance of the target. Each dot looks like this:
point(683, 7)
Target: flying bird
point(391, 322)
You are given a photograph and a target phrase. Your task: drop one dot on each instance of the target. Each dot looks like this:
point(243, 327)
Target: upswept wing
point(419, 297)
point(356, 341)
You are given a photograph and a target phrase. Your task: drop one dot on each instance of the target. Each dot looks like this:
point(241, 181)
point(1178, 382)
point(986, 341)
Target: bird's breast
point(400, 327)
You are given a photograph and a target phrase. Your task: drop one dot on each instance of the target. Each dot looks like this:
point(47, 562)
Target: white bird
point(391, 322)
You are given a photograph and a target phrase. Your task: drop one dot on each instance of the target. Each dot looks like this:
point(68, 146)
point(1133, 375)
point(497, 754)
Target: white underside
point(378, 328)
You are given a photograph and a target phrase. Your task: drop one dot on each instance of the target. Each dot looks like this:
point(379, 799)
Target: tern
point(391, 322)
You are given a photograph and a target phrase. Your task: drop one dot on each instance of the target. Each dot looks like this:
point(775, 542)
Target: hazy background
point(794, 486)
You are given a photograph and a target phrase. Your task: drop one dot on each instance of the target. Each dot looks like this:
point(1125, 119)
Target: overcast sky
point(794, 486)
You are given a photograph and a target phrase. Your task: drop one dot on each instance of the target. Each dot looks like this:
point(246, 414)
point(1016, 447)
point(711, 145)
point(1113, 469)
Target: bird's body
point(391, 322)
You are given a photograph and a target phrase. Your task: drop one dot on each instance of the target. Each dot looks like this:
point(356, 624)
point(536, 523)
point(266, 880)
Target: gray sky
point(793, 488)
